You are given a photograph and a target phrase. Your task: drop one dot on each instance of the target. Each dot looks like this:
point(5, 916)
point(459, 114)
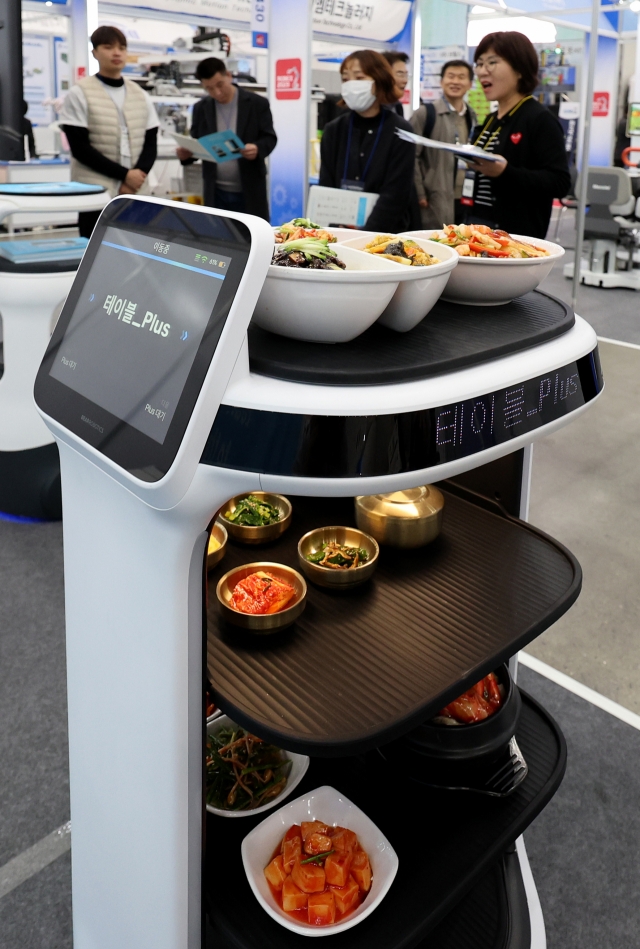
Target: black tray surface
point(452, 336)
point(446, 842)
point(361, 668)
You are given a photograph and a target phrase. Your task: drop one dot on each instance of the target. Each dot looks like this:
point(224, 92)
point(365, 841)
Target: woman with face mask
point(360, 150)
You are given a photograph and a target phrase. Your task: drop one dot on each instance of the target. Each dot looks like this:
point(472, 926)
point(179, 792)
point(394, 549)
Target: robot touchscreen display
point(136, 328)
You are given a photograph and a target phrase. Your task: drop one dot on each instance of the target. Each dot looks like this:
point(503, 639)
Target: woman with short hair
point(360, 150)
point(516, 193)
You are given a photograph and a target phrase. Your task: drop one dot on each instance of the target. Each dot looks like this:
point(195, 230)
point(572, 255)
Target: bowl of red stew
point(262, 597)
point(319, 865)
point(478, 723)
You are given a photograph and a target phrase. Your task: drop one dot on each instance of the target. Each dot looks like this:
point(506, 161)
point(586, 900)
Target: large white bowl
point(327, 306)
point(419, 287)
point(486, 281)
point(299, 765)
point(330, 806)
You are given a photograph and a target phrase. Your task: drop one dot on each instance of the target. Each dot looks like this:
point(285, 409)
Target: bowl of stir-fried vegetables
point(245, 775)
point(338, 557)
point(424, 269)
point(494, 267)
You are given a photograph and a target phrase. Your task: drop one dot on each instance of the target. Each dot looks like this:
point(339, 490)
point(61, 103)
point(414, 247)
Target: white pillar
point(635, 139)
point(289, 95)
point(82, 22)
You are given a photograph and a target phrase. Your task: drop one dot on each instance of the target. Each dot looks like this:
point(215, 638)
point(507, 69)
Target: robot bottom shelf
point(494, 914)
point(451, 849)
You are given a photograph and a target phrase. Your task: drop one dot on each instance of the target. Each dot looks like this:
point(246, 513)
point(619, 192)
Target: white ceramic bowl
point(486, 281)
point(299, 765)
point(419, 287)
point(330, 806)
point(327, 306)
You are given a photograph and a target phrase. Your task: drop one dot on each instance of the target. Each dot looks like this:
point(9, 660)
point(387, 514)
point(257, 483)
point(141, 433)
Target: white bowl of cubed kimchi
point(324, 804)
point(493, 280)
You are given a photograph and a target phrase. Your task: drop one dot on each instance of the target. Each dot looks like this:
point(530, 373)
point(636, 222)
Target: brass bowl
point(264, 623)
point(257, 535)
point(409, 518)
point(218, 531)
point(337, 579)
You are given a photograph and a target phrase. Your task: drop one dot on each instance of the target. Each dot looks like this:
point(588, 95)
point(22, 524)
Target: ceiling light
point(635, 6)
point(538, 31)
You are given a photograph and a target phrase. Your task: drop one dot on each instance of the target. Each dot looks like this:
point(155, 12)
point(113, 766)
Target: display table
point(37, 169)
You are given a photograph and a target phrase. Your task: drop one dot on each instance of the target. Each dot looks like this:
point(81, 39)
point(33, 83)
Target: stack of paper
point(465, 152)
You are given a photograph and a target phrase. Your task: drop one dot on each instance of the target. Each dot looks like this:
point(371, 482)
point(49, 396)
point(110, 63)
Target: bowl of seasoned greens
point(256, 518)
point(245, 775)
point(338, 557)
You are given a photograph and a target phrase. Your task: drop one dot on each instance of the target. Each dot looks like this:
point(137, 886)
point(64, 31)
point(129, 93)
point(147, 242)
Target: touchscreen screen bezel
point(135, 452)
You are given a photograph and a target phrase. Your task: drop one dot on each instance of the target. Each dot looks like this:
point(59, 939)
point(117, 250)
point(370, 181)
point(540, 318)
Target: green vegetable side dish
point(254, 512)
point(338, 557)
point(242, 771)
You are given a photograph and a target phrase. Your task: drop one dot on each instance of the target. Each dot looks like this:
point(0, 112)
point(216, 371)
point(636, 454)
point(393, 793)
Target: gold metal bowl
point(409, 518)
point(262, 623)
point(216, 553)
point(337, 579)
point(257, 535)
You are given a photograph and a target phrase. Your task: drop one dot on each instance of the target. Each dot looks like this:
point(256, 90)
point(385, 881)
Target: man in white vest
point(111, 125)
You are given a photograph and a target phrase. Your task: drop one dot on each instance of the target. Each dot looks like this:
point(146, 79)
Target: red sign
point(406, 96)
point(600, 104)
point(288, 78)
point(81, 72)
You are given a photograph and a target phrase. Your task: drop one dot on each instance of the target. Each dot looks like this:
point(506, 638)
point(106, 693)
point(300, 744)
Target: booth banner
point(62, 72)
point(260, 24)
point(289, 75)
point(569, 116)
point(380, 20)
point(432, 59)
point(38, 77)
point(603, 107)
point(237, 10)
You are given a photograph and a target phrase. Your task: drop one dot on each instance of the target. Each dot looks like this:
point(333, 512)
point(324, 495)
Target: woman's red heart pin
point(515, 137)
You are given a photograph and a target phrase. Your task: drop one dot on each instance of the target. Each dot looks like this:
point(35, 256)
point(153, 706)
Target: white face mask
point(358, 94)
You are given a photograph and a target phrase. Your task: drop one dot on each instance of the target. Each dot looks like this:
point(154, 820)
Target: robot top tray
point(451, 337)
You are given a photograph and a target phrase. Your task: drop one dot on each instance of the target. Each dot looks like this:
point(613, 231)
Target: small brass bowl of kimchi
point(262, 597)
point(338, 557)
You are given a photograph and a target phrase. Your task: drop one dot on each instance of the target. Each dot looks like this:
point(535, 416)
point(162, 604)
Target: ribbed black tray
point(361, 668)
point(446, 842)
point(452, 336)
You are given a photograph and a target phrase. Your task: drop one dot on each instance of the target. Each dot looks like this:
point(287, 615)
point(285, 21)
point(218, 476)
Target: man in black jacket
point(234, 185)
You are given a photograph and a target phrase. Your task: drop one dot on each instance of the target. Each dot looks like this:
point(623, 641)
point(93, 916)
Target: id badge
point(467, 188)
point(350, 184)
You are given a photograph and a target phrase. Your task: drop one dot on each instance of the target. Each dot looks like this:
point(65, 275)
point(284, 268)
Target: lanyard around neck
point(371, 153)
point(499, 129)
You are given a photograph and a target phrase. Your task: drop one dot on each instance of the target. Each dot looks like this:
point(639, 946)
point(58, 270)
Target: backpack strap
point(430, 120)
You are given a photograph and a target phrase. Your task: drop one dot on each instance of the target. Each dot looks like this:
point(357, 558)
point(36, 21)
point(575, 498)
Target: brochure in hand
point(218, 146)
point(464, 152)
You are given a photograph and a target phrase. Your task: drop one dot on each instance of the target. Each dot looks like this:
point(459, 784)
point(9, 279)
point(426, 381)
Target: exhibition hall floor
point(583, 850)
